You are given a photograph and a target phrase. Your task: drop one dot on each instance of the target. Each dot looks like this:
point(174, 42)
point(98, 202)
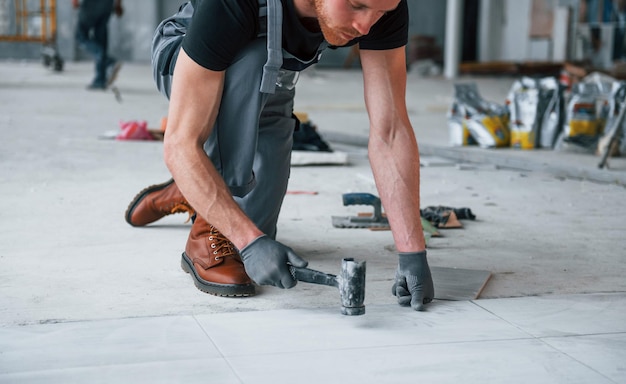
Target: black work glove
point(414, 284)
point(267, 262)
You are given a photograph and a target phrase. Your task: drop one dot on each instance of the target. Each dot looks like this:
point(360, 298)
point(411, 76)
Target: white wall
point(504, 30)
point(427, 17)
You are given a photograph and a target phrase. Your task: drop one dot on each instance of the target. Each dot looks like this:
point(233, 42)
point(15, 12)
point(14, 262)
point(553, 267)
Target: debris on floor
point(433, 218)
point(309, 148)
point(301, 192)
point(446, 217)
point(134, 130)
point(318, 158)
point(435, 161)
point(306, 137)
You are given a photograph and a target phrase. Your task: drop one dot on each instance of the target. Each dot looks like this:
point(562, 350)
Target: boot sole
point(223, 290)
point(133, 204)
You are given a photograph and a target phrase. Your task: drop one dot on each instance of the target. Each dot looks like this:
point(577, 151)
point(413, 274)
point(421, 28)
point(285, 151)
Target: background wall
point(131, 35)
point(503, 30)
point(507, 31)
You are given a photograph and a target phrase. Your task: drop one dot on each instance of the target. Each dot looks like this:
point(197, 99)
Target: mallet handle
point(312, 276)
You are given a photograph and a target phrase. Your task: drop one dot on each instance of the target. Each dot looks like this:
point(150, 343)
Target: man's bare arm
point(394, 157)
point(393, 150)
point(194, 104)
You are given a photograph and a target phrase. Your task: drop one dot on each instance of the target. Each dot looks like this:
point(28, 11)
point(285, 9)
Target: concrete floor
point(86, 298)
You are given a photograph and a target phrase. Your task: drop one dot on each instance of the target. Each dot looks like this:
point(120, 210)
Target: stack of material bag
point(309, 148)
point(537, 113)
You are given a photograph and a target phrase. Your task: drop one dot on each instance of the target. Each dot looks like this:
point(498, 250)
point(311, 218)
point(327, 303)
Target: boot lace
point(181, 207)
point(222, 247)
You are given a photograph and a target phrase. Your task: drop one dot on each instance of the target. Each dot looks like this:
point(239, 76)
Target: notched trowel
point(376, 220)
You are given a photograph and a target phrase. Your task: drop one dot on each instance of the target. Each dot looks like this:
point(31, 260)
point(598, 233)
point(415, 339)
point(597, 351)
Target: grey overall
point(252, 138)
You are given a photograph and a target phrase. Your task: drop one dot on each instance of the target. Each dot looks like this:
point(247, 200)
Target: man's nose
point(363, 21)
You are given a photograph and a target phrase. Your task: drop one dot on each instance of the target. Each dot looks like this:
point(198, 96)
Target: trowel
point(376, 220)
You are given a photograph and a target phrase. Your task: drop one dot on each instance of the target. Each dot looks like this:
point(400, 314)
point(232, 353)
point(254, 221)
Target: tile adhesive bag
point(553, 116)
point(536, 112)
point(588, 109)
point(473, 120)
point(617, 102)
point(459, 134)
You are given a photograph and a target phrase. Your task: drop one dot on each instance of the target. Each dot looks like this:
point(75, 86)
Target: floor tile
point(200, 370)
point(459, 283)
point(102, 343)
point(511, 362)
point(483, 341)
point(605, 354)
point(561, 315)
point(284, 331)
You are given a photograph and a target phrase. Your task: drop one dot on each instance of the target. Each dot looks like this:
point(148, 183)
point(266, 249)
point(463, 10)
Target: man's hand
point(267, 262)
point(414, 284)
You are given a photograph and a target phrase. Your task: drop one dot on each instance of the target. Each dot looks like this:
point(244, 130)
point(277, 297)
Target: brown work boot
point(155, 202)
point(214, 263)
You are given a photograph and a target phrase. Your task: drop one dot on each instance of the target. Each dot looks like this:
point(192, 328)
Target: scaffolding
point(32, 21)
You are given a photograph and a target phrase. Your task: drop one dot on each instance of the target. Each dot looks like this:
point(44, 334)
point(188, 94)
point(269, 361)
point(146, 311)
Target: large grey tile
point(605, 354)
point(201, 370)
point(459, 283)
point(284, 331)
point(102, 343)
point(558, 315)
point(512, 361)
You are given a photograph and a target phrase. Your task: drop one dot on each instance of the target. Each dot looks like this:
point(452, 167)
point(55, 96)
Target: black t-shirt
point(221, 28)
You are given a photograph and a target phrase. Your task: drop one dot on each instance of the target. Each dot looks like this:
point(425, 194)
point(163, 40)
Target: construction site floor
point(84, 297)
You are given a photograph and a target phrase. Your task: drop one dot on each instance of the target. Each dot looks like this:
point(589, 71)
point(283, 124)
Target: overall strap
point(273, 11)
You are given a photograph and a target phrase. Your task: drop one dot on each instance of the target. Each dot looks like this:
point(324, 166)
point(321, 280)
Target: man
point(229, 131)
point(92, 33)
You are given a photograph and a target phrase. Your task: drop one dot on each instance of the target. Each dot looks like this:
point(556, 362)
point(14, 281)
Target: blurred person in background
point(93, 35)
